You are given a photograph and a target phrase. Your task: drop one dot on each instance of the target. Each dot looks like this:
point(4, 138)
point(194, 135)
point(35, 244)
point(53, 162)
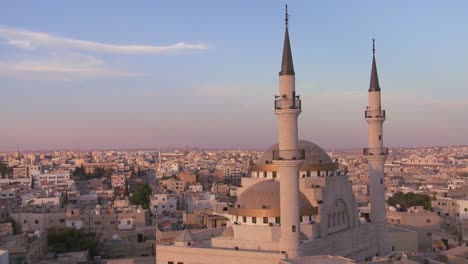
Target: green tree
point(141, 195)
point(61, 240)
point(126, 191)
point(80, 172)
point(407, 200)
point(5, 171)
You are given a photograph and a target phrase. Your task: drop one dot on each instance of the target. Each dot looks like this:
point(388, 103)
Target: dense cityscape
point(133, 200)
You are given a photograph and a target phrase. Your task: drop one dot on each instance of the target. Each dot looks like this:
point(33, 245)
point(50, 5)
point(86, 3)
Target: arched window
point(339, 218)
point(334, 219)
point(344, 218)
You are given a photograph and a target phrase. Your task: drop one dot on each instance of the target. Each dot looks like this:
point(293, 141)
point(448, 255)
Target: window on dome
point(294, 228)
point(254, 220)
point(275, 174)
point(277, 220)
point(265, 220)
point(244, 219)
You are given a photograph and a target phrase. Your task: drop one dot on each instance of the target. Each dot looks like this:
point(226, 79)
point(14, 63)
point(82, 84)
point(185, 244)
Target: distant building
point(187, 177)
point(21, 172)
point(196, 188)
point(163, 203)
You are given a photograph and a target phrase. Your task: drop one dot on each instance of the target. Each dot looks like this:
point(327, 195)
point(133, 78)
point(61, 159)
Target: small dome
point(263, 199)
point(315, 158)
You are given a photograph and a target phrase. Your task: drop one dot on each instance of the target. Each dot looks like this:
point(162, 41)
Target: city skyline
point(108, 83)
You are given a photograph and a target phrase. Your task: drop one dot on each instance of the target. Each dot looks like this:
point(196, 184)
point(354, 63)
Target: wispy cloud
point(25, 39)
point(60, 67)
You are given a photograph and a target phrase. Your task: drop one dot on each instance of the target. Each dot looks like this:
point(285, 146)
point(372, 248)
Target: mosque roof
point(315, 158)
point(263, 200)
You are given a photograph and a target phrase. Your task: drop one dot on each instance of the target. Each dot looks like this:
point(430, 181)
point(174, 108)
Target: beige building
point(25, 247)
point(90, 167)
point(107, 219)
point(457, 255)
point(172, 184)
point(20, 172)
point(424, 223)
point(187, 177)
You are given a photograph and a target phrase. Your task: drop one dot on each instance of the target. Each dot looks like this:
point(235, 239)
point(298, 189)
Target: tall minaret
point(376, 155)
point(288, 158)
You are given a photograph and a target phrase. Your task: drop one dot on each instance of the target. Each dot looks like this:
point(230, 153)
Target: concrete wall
point(403, 240)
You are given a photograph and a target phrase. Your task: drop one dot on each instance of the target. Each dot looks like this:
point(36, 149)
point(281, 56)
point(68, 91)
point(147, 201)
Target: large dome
point(263, 199)
point(315, 158)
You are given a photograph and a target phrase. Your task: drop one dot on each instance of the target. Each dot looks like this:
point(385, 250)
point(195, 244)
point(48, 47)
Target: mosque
point(296, 205)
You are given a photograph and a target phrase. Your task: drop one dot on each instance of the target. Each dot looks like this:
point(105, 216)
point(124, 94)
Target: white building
point(53, 180)
point(175, 168)
point(162, 202)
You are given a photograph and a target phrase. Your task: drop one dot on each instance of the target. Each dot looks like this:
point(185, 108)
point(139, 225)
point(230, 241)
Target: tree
point(80, 172)
point(32, 182)
point(5, 171)
point(61, 240)
point(407, 200)
point(141, 195)
point(126, 191)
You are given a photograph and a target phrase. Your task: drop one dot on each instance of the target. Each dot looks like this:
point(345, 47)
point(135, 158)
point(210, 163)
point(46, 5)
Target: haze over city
point(115, 74)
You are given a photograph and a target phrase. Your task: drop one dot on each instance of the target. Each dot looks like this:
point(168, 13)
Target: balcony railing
point(375, 151)
point(374, 114)
point(287, 103)
point(298, 154)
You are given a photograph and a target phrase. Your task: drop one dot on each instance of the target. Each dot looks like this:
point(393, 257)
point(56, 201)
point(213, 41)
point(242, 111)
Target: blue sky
point(125, 74)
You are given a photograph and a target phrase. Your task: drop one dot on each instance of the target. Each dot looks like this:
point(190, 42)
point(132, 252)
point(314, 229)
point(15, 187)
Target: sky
point(149, 74)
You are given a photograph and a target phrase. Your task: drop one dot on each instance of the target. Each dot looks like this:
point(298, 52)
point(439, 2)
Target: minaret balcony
point(375, 151)
point(374, 114)
point(287, 103)
point(297, 154)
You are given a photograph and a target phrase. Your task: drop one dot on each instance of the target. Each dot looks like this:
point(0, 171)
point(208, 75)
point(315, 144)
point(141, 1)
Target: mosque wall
point(358, 243)
point(193, 255)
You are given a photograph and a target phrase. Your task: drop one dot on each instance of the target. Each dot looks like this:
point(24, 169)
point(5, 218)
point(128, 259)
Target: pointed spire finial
point(373, 46)
point(287, 67)
point(374, 82)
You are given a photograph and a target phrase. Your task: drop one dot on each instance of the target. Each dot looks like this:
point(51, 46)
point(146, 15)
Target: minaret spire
point(288, 158)
point(287, 67)
point(376, 154)
point(374, 80)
